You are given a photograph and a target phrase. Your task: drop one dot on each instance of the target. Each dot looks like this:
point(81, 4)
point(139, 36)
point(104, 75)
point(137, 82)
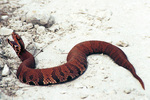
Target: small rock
point(41, 30)
point(5, 70)
point(39, 16)
point(4, 17)
point(36, 26)
point(84, 97)
point(128, 91)
point(5, 31)
point(122, 44)
point(29, 26)
point(51, 21)
point(23, 18)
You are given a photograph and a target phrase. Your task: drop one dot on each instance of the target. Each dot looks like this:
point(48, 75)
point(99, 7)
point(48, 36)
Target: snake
point(75, 66)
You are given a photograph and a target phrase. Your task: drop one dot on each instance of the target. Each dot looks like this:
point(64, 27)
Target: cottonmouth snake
point(75, 66)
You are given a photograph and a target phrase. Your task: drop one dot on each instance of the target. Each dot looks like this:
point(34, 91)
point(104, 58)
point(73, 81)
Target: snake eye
point(18, 37)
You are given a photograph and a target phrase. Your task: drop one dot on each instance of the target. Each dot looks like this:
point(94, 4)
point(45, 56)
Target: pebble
point(41, 30)
point(128, 91)
point(29, 26)
point(36, 26)
point(5, 70)
point(5, 31)
point(4, 17)
point(84, 97)
point(122, 44)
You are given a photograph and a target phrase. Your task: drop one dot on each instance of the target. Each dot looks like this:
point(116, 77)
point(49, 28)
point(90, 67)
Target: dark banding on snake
point(75, 66)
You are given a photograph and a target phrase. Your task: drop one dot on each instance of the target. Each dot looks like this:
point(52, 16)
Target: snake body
point(75, 66)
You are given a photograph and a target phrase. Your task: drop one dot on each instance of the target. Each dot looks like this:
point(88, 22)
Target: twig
point(64, 53)
point(13, 73)
point(44, 47)
point(35, 48)
point(88, 14)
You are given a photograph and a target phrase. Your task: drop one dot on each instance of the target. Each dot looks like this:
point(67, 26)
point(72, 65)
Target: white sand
point(106, 20)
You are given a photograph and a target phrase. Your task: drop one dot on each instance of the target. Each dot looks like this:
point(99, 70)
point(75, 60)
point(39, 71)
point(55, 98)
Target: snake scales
point(75, 66)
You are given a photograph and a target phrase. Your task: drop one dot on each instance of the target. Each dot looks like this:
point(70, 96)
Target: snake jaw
point(17, 44)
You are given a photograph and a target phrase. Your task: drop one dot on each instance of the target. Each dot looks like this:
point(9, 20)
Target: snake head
point(17, 44)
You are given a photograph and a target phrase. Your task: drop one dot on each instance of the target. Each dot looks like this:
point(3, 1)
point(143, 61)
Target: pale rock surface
point(38, 15)
point(5, 31)
point(123, 23)
point(5, 70)
point(40, 30)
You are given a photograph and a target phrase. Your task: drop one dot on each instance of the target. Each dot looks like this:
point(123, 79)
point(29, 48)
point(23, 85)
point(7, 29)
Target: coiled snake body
point(75, 66)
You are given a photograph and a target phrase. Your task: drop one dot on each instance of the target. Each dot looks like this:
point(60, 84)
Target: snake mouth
point(17, 44)
point(12, 43)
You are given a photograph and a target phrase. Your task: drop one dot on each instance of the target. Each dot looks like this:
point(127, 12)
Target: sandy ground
point(124, 23)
